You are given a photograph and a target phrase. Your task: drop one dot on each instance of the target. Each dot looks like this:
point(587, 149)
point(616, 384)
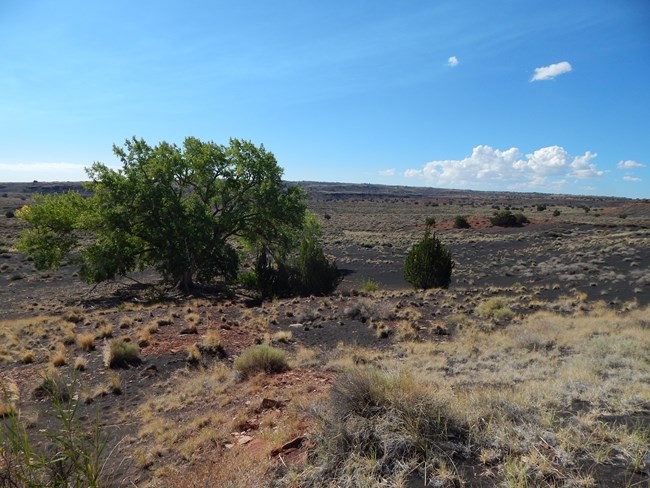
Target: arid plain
point(532, 369)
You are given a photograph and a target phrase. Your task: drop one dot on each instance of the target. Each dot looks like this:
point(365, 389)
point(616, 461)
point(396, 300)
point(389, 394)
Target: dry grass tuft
point(261, 359)
point(9, 395)
point(86, 341)
point(119, 354)
point(80, 363)
point(211, 343)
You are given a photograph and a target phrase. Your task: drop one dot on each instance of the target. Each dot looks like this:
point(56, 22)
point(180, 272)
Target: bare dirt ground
point(524, 304)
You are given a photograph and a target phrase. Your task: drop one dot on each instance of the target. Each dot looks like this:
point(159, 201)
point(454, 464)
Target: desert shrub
point(120, 354)
point(9, 214)
point(556, 213)
point(261, 359)
point(505, 218)
point(541, 208)
point(428, 263)
point(315, 274)
point(430, 222)
point(460, 222)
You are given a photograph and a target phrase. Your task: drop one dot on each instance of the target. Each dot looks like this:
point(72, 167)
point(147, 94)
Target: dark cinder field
point(532, 369)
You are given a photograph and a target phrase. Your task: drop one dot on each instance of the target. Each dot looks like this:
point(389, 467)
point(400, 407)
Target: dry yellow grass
point(80, 363)
point(86, 341)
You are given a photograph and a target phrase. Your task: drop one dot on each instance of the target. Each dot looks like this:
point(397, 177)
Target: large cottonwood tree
point(180, 210)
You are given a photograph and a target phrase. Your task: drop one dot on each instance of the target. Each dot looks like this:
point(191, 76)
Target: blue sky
point(503, 95)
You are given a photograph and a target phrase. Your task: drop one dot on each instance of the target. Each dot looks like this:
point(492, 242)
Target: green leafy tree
point(428, 263)
point(181, 210)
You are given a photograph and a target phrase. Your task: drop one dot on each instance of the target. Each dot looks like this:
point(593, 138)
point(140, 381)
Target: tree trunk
point(185, 282)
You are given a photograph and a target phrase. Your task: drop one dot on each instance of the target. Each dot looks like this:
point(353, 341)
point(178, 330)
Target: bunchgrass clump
point(261, 359)
point(120, 354)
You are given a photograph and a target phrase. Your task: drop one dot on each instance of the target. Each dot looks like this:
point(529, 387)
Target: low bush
point(261, 359)
point(505, 218)
point(460, 222)
point(428, 263)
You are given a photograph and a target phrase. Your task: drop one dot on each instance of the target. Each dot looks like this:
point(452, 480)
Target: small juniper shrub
point(460, 222)
point(428, 263)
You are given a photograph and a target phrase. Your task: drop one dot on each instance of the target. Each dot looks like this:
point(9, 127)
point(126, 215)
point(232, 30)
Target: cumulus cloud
point(452, 61)
point(387, 172)
point(551, 71)
point(631, 178)
point(490, 168)
point(629, 165)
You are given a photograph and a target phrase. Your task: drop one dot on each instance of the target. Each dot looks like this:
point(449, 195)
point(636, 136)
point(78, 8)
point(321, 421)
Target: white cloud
point(490, 168)
point(452, 61)
point(631, 178)
point(551, 71)
point(629, 165)
point(387, 172)
point(43, 172)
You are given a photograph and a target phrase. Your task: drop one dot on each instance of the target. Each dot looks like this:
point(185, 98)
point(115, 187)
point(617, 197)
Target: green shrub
point(120, 354)
point(428, 263)
point(261, 358)
point(505, 218)
point(541, 208)
point(556, 213)
point(315, 274)
point(460, 222)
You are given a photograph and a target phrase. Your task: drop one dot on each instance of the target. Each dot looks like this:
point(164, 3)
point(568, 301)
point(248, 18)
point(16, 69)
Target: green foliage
point(460, 222)
point(369, 285)
point(428, 263)
point(556, 213)
point(55, 222)
point(505, 218)
point(315, 274)
point(67, 454)
point(180, 210)
point(541, 208)
point(430, 222)
point(261, 358)
point(306, 271)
